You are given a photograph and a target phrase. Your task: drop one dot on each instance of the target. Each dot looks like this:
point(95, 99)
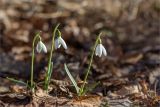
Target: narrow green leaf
point(71, 78)
point(50, 73)
point(16, 81)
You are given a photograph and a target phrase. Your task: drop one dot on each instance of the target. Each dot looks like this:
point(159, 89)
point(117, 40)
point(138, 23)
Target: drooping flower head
point(59, 41)
point(41, 47)
point(100, 49)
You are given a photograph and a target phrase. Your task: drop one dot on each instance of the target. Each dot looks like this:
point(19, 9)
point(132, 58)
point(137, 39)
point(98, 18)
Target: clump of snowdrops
point(57, 41)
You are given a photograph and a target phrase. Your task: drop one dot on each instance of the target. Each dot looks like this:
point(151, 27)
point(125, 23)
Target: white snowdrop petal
point(96, 52)
point(57, 45)
point(63, 43)
point(41, 47)
point(44, 49)
point(104, 51)
point(100, 50)
point(38, 47)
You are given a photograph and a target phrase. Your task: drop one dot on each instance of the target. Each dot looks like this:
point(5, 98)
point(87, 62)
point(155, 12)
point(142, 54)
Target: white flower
point(100, 50)
point(41, 47)
point(58, 42)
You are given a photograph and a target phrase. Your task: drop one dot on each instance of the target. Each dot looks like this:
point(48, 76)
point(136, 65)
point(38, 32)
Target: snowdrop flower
point(100, 50)
point(58, 42)
point(41, 47)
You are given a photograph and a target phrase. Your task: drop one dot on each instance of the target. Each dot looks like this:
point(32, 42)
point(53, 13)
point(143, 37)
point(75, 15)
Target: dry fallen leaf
point(19, 50)
point(128, 90)
point(18, 88)
point(132, 58)
point(40, 93)
point(86, 101)
point(144, 86)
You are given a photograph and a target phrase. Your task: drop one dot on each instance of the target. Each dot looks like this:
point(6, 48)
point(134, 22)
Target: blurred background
point(131, 35)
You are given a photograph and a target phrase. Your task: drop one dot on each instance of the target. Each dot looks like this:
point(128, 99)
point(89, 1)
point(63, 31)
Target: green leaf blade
point(71, 78)
point(16, 81)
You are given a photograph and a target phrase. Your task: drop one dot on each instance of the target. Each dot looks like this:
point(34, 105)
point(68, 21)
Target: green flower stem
point(46, 83)
point(32, 63)
point(90, 64)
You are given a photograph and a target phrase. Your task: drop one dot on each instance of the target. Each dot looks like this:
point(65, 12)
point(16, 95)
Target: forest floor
point(129, 75)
